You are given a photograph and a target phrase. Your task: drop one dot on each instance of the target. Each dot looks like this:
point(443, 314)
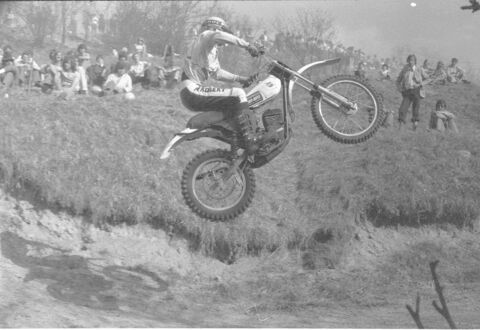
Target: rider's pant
point(196, 97)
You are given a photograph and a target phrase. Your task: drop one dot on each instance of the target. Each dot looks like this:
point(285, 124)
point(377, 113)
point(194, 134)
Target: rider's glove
point(253, 50)
point(247, 82)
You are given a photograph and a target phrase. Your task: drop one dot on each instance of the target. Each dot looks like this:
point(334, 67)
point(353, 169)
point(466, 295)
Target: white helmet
point(215, 23)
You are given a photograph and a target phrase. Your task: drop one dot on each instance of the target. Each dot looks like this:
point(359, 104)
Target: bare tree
point(39, 18)
point(306, 24)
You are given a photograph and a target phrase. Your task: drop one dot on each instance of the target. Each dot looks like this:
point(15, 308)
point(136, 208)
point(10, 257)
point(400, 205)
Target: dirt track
point(57, 273)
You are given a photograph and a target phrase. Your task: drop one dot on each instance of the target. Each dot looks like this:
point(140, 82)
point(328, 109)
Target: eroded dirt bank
point(58, 272)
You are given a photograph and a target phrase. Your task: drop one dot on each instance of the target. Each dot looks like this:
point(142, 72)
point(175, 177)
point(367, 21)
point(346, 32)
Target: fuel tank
point(264, 92)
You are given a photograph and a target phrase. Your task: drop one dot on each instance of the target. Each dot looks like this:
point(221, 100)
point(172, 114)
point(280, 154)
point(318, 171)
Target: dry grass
point(100, 157)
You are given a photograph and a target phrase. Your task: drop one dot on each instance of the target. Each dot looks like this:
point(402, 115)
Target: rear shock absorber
point(234, 146)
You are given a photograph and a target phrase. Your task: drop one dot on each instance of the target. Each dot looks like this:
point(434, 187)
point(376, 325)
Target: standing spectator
point(454, 72)
point(8, 74)
point(94, 24)
point(83, 58)
point(409, 82)
point(98, 72)
point(101, 24)
point(441, 119)
point(120, 81)
point(28, 69)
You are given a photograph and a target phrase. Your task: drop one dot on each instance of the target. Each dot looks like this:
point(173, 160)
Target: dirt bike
point(220, 184)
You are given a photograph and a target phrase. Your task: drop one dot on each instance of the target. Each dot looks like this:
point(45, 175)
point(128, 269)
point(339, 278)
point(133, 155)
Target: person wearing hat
point(119, 81)
point(8, 73)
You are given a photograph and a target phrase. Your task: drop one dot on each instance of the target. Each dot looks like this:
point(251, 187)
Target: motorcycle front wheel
point(344, 125)
point(209, 193)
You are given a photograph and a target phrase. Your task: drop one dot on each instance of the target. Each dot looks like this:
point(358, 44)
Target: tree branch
point(444, 309)
point(416, 314)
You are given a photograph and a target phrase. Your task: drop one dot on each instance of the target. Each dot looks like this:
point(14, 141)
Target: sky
point(437, 27)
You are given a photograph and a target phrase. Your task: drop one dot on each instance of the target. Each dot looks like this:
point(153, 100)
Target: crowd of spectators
point(76, 73)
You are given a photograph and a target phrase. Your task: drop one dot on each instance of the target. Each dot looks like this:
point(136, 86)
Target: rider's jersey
point(202, 55)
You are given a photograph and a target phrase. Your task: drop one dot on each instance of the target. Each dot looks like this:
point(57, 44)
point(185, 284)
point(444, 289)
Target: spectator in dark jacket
point(98, 72)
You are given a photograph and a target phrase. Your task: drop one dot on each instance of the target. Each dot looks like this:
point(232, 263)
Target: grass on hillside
point(100, 157)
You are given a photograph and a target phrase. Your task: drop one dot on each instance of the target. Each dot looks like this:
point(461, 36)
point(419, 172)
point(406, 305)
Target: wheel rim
point(212, 191)
point(352, 123)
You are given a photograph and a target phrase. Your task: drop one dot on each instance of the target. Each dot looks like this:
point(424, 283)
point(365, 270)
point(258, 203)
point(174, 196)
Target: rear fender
point(189, 134)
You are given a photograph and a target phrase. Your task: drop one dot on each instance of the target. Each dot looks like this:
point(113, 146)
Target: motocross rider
point(201, 63)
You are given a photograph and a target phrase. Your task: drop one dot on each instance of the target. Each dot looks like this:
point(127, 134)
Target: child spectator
point(441, 119)
point(8, 73)
point(28, 70)
point(385, 72)
point(409, 82)
point(120, 81)
point(439, 76)
point(52, 72)
point(98, 72)
point(137, 70)
point(83, 62)
point(360, 72)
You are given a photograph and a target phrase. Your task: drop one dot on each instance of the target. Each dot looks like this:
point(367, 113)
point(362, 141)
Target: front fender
point(291, 83)
point(188, 134)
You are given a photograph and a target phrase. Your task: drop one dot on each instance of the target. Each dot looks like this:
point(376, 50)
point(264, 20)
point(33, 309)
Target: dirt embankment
point(58, 272)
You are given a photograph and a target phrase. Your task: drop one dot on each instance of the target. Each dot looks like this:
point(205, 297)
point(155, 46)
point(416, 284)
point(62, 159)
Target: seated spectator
point(439, 76)
point(122, 57)
point(8, 74)
point(70, 77)
point(119, 81)
point(427, 70)
point(52, 72)
point(454, 72)
point(441, 119)
point(385, 72)
point(361, 72)
point(83, 62)
point(169, 74)
point(28, 70)
point(137, 70)
point(98, 72)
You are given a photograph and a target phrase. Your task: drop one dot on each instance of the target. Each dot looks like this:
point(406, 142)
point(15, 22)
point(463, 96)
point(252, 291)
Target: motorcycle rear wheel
point(348, 128)
point(208, 194)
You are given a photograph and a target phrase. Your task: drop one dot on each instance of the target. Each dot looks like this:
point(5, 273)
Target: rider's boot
point(248, 126)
